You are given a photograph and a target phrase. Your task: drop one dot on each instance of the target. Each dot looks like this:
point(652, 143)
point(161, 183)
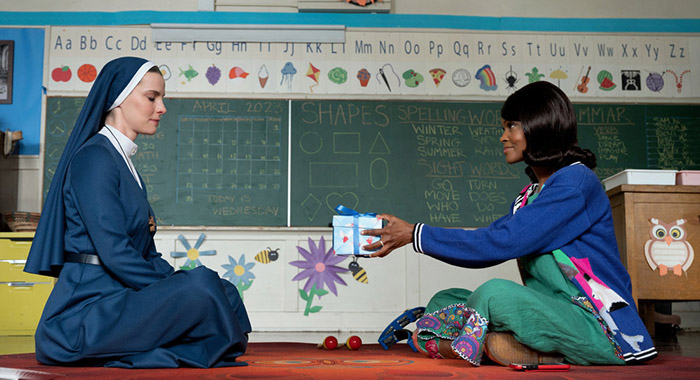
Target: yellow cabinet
point(22, 295)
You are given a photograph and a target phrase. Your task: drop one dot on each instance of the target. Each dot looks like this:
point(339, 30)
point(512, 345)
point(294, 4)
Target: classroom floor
point(681, 343)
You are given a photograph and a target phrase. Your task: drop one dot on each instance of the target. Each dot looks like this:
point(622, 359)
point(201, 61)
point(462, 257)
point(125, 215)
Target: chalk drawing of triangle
point(379, 145)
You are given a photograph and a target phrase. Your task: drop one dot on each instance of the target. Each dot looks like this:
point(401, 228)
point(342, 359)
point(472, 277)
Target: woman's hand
point(395, 234)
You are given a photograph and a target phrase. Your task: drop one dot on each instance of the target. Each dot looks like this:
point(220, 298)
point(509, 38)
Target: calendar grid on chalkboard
point(227, 153)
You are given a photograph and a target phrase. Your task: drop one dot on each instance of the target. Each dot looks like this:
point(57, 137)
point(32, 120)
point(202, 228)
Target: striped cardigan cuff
point(417, 229)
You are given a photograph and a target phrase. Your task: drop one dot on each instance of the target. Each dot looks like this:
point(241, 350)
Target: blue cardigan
point(572, 218)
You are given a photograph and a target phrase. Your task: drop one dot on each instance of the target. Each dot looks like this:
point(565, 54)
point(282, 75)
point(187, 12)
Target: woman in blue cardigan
point(117, 303)
point(577, 301)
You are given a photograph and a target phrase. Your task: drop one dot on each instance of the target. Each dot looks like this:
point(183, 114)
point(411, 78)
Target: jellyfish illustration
point(288, 72)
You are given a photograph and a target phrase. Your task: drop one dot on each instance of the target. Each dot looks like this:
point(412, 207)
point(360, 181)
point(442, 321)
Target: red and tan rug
point(292, 361)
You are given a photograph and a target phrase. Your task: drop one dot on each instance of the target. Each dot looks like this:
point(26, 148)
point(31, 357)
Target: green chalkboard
point(219, 162)
point(212, 161)
point(442, 163)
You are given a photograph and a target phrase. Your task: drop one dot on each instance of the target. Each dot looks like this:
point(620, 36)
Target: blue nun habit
point(131, 310)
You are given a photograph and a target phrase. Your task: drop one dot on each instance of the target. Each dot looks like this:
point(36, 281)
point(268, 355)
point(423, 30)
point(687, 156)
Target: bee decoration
point(267, 255)
point(358, 272)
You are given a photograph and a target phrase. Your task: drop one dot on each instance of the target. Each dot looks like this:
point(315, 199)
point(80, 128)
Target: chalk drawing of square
point(333, 174)
point(346, 142)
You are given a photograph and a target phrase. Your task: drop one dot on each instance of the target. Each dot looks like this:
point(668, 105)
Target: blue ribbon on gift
point(346, 211)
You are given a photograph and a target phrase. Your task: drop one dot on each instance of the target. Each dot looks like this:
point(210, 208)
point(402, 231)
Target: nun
point(116, 302)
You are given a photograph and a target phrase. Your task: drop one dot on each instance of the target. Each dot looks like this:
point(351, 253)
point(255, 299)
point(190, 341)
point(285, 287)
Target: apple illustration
point(61, 74)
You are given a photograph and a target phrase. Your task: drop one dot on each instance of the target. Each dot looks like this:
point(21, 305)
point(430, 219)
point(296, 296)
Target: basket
point(20, 221)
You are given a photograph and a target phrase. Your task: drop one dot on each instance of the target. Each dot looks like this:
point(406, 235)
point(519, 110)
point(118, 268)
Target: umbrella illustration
point(558, 75)
point(313, 73)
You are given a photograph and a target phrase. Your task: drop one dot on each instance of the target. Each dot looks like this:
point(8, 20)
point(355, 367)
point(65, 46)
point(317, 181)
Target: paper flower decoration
point(239, 274)
point(319, 269)
point(192, 253)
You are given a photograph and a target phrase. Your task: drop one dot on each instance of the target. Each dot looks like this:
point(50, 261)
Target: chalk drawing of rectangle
point(346, 142)
point(333, 174)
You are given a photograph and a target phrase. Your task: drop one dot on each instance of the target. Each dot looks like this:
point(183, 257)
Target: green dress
point(548, 314)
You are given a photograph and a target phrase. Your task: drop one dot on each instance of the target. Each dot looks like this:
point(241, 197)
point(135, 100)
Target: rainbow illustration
point(487, 78)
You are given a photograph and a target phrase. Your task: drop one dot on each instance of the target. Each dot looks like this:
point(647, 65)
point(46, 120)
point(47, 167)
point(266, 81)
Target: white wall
point(495, 8)
point(402, 280)
point(554, 8)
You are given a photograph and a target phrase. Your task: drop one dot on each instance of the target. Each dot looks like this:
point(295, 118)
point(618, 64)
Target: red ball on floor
point(330, 343)
point(354, 342)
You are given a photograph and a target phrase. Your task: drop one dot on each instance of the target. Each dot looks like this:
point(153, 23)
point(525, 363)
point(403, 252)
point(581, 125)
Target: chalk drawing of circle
point(50, 172)
point(57, 127)
point(54, 151)
point(461, 77)
point(379, 174)
point(311, 142)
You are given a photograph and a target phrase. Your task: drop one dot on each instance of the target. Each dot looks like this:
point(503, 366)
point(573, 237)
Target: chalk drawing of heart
point(348, 199)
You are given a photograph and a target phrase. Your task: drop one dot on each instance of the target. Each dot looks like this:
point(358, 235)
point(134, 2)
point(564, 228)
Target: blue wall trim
point(611, 25)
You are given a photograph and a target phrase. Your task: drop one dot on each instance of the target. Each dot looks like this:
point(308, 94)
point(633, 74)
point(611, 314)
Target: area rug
point(292, 361)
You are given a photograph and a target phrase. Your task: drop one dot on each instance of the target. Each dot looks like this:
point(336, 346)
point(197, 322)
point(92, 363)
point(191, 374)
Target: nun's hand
point(395, 234)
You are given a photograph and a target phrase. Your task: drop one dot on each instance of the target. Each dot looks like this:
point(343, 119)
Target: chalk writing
point(672, 143)
point(610, 145)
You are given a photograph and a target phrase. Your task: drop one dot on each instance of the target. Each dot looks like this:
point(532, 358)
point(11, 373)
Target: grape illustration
point(213, 74)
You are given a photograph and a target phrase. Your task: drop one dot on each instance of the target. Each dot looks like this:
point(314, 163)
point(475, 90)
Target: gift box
point(347, 226)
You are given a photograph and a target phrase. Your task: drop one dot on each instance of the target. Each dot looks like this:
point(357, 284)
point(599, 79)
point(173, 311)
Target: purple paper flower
point(319, 267)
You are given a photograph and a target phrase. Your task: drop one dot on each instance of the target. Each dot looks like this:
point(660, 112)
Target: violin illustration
point(584, 81)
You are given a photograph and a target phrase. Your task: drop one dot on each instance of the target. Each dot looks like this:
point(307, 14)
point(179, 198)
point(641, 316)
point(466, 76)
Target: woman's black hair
point(549, 125)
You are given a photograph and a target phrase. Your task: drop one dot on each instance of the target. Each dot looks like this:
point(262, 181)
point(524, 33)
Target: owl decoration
point(668, 249)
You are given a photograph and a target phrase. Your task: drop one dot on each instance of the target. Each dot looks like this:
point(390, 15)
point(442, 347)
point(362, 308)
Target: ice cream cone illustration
point(263, 76)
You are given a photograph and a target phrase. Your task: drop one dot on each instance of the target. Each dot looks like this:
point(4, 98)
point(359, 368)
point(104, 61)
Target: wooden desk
point(632, 208)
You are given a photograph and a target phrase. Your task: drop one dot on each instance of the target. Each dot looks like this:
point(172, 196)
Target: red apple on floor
point(61, 74)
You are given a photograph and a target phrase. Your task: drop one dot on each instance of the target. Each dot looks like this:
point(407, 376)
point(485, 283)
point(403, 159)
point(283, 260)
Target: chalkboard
point(223, 162)
point(442, 163)
point(212, 161)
